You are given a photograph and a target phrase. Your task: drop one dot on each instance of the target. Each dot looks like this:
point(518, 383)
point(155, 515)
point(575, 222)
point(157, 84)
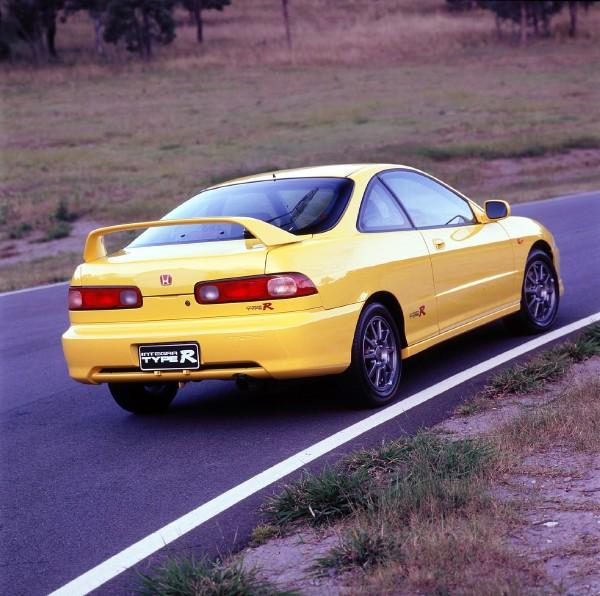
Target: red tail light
point(251, 289)
point(103, 298)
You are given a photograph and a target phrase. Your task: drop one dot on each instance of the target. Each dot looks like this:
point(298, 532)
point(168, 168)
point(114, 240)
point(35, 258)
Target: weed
point(545, 367)
point(523, 378)
point(408, 475)
point(62, 213)
point(264, 533)
point(56, 230)
point(189, 577)
point(363, 547)
point(19, 230)
point(318, 498)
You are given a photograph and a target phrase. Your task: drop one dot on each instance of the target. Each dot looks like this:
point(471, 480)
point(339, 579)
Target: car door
point(473, 262)
point(397, 259)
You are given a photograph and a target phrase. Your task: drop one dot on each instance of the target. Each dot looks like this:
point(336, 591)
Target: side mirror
point(497, 210)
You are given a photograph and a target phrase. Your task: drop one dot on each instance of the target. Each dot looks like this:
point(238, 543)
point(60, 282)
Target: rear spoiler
point(266, 233)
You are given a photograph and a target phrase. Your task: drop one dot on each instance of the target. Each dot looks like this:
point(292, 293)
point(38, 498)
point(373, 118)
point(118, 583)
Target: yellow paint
point(446, 281)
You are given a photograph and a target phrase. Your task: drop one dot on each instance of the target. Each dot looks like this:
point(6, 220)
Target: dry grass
point(571, 421)
point(402, 82)
point(38, 271)
point(462, 555)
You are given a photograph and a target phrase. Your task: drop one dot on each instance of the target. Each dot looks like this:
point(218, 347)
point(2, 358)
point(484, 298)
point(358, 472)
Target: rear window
point(297, 205)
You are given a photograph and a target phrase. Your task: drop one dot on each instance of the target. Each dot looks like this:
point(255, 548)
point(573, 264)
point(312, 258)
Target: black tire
point(143, 398)
point(368, 387)
point(540, 296)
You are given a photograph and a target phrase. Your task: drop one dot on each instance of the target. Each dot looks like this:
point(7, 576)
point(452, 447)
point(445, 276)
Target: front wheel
point(540, 296)
point(373, 377)
point(143, 398)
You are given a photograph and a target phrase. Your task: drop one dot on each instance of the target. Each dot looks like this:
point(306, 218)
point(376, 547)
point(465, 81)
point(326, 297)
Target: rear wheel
point(373, 377)
point(143, 398)
point(539, 296)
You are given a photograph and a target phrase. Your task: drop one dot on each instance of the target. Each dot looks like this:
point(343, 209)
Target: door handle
point(438, 243)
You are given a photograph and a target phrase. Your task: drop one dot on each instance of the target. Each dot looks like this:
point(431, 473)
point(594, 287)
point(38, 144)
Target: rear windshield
point(297, 205)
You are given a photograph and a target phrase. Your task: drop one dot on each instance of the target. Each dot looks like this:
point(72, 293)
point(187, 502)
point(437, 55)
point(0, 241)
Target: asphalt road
point(81, 479)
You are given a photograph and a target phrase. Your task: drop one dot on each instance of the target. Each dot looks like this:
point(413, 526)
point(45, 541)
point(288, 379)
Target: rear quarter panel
point(350, 269)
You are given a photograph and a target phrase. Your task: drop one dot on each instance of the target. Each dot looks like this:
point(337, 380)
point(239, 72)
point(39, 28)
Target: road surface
point(82, 479)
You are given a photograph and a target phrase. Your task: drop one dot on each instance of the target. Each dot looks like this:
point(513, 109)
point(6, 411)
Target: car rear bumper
point(277, 345)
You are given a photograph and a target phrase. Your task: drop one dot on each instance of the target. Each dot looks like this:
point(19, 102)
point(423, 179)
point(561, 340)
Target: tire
point(373, 377)
point(143, 398)
point(540, 296)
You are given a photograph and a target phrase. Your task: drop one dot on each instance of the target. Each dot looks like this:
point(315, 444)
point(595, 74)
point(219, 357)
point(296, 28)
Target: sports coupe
point(335, 270)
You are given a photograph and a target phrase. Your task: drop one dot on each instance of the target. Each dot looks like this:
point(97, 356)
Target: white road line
point(135, 553)
point(24, 290)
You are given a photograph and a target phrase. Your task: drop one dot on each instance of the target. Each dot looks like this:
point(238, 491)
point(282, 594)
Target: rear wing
point(266, 233)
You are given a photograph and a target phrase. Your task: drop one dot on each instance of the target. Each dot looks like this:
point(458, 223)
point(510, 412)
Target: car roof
point(328, 171)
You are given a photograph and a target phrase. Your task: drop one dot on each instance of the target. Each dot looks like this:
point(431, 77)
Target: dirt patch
point(289, 562)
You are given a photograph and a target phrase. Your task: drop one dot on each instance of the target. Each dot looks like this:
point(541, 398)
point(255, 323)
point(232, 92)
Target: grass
point(190, 577)
point(512, 150)
point(571, 420)
point(419, 475)
point(263, 533)
point(56, 230)
point(536, 372)
point(122, 140)
point(421, 514)
point(40, 271)
point(418, 515)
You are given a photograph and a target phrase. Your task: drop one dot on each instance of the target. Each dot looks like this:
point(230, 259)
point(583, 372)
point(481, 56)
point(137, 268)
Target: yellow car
point(344, 269)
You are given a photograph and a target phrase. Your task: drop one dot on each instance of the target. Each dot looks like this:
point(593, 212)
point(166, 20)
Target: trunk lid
point(172, 270)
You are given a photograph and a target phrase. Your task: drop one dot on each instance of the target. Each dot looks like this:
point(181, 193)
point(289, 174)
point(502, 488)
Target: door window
point(428, 203)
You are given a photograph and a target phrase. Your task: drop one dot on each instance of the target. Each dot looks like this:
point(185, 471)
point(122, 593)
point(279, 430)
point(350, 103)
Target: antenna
point(274, 177)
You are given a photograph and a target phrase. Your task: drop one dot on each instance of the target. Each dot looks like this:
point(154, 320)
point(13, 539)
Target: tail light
point(104, 298)
point(251, 289)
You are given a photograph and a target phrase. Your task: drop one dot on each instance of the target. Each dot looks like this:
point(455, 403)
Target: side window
point(428, 203)
point(380, 212)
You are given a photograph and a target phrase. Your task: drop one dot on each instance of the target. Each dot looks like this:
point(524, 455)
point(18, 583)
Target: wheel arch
point(391, 303)
point(544, 247)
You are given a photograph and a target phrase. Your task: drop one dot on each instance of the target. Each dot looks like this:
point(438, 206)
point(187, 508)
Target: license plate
point(169, 357)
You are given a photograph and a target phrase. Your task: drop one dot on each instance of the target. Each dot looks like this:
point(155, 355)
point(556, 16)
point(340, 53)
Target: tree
point(140, 23)
point(96, 10)
point(196, 7)
point(286, 23)
point(525, 14)
point(573, 13)
point(34, 21)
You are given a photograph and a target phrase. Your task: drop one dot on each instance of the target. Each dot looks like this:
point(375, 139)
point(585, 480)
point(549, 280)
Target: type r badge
point(417, 314)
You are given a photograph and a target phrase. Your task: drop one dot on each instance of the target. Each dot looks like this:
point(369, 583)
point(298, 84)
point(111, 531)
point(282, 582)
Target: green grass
point(319, 498)
point(190, 577)
point(411, 475)
point(56, 230)
point(533, 374)
point(546, 366)
point(263, 533)
point(514, 150)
